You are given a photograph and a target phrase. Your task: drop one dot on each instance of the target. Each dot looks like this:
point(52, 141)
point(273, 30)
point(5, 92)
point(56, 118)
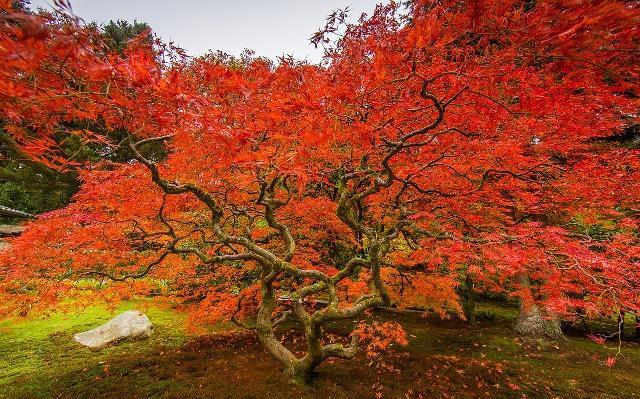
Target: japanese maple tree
point(443, 139)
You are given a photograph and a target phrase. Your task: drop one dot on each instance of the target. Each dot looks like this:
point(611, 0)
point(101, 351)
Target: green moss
point(37, 350)
point(38, 359)
point(494, 310)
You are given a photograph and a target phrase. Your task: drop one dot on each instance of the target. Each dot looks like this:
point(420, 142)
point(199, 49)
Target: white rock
point(131, 324)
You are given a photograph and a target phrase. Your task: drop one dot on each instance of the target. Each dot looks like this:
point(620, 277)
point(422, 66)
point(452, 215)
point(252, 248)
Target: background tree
point(118, 33)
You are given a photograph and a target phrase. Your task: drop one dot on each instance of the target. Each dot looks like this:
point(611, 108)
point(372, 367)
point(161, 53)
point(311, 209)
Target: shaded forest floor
point(444, 359)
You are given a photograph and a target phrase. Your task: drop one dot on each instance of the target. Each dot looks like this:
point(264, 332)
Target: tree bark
point(621, 324)
point(533, 322)
point(264, 329)
point(469, 307)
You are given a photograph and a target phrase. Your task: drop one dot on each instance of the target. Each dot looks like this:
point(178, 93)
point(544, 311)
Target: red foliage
point(457, 139)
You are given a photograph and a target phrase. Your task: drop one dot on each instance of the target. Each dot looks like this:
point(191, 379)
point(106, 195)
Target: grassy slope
point(38, 359)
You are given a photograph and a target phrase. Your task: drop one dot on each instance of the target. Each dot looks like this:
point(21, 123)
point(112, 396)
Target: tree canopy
point(446, 141)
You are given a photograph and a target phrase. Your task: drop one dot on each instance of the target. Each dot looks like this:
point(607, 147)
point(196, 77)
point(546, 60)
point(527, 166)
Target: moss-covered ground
point(445, 358)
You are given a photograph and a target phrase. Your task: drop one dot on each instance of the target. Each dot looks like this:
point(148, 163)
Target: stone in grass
point(131, 324)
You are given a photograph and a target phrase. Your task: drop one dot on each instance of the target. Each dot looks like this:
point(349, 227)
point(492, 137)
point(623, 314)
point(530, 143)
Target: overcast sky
point(269, 27)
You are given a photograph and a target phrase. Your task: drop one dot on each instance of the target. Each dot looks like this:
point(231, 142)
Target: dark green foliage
point(629, 137)
point(29, 186)
point(118, 33)
point(31, 199)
